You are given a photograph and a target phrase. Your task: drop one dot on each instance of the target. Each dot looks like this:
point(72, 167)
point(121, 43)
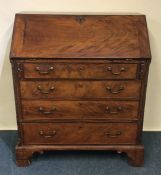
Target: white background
point(151, 8)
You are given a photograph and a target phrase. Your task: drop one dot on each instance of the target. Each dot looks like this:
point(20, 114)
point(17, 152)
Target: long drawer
point(80, 70)
point(80, 89)
point(79, 133)
point(33, 110)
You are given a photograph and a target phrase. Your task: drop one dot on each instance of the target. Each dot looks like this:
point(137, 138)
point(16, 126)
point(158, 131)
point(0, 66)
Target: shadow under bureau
point(80, 83)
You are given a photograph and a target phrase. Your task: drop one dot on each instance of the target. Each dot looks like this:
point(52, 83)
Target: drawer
point(80, 70)
point(48, 110)
point(80, 89)
point(79, 133)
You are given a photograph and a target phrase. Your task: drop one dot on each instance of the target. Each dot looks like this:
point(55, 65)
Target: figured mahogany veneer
point(80, 70)
point(79, 133)
point(48, 110)
point(80, 89)
point(65, 36)
point(80, 83)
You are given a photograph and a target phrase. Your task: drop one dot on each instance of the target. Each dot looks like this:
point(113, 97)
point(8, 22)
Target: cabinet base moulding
point(135, 153)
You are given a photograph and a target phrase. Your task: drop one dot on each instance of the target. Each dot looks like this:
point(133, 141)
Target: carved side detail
point(19, 69)
point(142, 70)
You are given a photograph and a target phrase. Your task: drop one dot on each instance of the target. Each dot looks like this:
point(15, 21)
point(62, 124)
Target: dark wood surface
point(80, 89)
point(79, 133)
point(72, 36)
point(80, 70)
point(83, 88)
point(41, 110)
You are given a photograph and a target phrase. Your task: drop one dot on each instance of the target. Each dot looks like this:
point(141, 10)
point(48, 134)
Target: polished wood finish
point(47, 110)
point(24, 153)
point(63, 36)
point(79, 133)
point(80, 89)
point(80, 70)
point(80, 83)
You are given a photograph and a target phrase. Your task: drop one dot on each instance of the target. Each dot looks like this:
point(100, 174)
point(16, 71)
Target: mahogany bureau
point(80, 83)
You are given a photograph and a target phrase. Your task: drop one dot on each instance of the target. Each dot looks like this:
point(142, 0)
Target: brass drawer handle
point(108, 88)
point(41, 133)
point(109, 68)
point(44, 72)
point(41, 90)
point(118, 109)
point(113, 135)
point(42, 110)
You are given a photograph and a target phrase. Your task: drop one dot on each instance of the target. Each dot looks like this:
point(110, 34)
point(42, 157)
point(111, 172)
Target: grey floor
point(80, 163)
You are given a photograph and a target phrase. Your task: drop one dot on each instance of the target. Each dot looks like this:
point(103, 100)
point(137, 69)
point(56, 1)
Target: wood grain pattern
point(80, 89)
point(80, 70)
point(40, 110)
point(80, 83)
point(80, 133)
point(61, 36)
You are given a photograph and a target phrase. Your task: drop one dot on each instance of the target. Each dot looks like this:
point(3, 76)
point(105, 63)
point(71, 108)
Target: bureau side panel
point(144, 70)
point(17, 72)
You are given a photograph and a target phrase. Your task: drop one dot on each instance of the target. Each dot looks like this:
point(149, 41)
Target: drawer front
point(80, 89)
point(42, 110)
point(80, 133)
point(80, 70)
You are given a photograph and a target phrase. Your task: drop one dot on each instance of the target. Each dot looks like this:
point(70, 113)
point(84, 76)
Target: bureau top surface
point(80, 36)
